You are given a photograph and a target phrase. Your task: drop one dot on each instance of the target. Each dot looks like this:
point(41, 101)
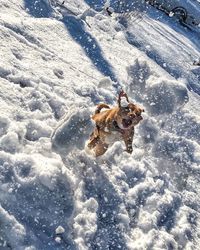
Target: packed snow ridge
point(57, 62)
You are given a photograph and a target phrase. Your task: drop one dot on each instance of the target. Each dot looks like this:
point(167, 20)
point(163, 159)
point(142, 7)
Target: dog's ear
point(122, 94)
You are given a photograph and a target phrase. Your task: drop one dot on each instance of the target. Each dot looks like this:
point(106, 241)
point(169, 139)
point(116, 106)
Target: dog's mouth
point(131, 121)
point(126, 123)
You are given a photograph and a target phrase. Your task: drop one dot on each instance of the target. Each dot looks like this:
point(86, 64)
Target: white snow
point(60, 230)
point(124, 102)
point(57, 62)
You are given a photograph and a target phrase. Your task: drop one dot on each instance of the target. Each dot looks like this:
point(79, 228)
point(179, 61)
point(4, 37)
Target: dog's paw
point(129, 150)
point(88, 150)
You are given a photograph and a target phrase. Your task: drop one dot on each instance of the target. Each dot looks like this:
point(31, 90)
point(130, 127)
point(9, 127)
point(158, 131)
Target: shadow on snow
point(38, 9)
point(75, 27)
point(109, 234)
point(96, 4)
point(89, 44)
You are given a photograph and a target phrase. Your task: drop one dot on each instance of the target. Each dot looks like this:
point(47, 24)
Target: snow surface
point(56, 64)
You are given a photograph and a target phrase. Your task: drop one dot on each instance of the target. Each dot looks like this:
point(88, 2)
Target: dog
point(114, 124)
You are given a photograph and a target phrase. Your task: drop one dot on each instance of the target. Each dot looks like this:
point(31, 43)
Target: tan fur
point(100, 107)
point(117, 122)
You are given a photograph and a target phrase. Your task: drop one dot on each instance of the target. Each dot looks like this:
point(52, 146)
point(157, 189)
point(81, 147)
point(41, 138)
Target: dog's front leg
point(128, 139)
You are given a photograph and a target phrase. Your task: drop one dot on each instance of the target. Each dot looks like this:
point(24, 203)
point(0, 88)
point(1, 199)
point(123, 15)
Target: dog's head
point(128, 115)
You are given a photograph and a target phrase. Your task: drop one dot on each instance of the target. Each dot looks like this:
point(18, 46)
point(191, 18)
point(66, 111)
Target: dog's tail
point(101, 106)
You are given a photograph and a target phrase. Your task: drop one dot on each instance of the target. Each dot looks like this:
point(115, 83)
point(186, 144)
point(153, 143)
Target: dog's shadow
point(97, 185)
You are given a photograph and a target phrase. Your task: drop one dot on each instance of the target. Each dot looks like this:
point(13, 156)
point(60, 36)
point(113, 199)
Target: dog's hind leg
point(97, 146)
point(94, 138)
point(92, 143)
point(100, 148)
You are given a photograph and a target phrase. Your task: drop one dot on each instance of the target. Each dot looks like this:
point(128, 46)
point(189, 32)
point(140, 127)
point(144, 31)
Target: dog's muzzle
point(127, 122)
point(131, 121)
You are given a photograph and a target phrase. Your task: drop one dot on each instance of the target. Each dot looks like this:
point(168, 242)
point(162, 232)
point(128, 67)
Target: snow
point(57, 63)
point(124, 102)
point(60, 230)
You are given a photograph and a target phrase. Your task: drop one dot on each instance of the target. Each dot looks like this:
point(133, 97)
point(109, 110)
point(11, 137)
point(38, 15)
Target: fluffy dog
point(114, 124)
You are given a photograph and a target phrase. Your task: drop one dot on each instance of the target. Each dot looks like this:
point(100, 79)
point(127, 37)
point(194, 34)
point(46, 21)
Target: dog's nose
point(132, 116)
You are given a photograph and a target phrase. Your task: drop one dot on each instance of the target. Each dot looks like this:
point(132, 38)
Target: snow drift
point(56, 65)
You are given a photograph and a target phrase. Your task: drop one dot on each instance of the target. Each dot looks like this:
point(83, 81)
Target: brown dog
point(113, 125)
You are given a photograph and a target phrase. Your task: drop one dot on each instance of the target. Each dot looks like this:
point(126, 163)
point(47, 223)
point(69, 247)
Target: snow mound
point(73, 131)
point(160, 95)
point(36, 185)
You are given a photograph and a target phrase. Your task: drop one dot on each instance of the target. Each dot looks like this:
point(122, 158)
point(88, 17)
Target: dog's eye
point(127, 109)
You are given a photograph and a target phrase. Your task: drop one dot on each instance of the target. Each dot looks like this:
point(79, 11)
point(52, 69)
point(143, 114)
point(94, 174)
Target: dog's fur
point(114, 124)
